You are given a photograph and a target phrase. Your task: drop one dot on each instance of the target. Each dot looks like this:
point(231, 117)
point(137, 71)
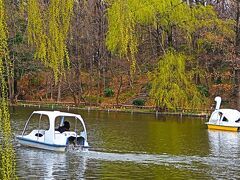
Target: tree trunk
point(51, 87)
point(238, 28)
point(59, 90)
point(47, 88)
point(51, 93)
point(98, 79)
point(16, 93)
point(119, 90)
point(11, 89)
point(79, 83)
point(170, 37)
point(158, 40)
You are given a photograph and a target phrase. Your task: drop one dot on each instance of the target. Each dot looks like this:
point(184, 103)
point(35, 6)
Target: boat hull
point(224, 128)
point(40, 145)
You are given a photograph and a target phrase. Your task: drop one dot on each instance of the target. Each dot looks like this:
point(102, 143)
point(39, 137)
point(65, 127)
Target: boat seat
point(40, 133)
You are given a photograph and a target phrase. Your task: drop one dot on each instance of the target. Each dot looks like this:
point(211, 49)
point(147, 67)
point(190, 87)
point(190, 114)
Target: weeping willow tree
point(7, 158)
point(48, 31)
point(121, 38)
point(125, 15)
point(172, 84)
point(170, 16)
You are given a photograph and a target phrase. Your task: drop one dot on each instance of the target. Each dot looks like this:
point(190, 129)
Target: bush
point(35, 81)
point(203, 90)
point(94, 100)
point(108, 92)
point(138, 102)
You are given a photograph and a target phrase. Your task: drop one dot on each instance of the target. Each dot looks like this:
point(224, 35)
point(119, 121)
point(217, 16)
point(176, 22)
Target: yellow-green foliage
point(7, 170)
point(48, 31)
point(125, 15)
point(3, 41)
point(172, 85)
point(121, 37)
point(3, 32)
point(36, 31)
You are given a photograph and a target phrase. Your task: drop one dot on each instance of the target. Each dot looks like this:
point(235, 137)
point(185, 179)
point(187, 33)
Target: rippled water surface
point(137, 146)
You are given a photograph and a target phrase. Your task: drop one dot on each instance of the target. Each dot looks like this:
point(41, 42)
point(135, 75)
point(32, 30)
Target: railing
point(116, 107)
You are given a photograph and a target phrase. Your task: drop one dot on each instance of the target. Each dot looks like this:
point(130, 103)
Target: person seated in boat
point(220, 115)
point(65, 127)
point(223, 118)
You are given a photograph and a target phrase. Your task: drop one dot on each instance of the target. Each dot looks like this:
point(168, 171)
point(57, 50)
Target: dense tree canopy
point(7, 154)
point(195, 26)
point(48, 31)
point(114, 44)
point(172, 84)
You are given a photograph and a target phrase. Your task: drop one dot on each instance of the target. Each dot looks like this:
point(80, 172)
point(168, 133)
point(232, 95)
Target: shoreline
point(115, 108)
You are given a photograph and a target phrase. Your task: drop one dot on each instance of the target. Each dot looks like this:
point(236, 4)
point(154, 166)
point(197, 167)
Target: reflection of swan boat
point(40, 131)
point(224, 119)
point(224, 143)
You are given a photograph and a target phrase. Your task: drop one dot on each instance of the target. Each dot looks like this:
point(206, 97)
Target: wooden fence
point(116, 107)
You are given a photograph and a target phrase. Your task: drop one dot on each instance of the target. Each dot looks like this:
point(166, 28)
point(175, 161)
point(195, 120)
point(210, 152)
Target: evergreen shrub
point(108, 92)
point(138, 102)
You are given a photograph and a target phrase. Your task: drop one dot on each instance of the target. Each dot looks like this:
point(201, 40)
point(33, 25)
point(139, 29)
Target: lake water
point(134, 146)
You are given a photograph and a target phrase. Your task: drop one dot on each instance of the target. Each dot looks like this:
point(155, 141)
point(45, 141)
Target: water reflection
point(224, 143)
point(223, 160)
point(50, 165)
point(41, 164)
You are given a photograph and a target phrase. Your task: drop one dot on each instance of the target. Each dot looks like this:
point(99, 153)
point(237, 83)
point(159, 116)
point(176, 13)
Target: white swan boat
point(40, 131)
point(224, 119)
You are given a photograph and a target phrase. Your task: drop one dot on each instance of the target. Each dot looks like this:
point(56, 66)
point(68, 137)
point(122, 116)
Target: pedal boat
point(224, 119)
point(50, 138)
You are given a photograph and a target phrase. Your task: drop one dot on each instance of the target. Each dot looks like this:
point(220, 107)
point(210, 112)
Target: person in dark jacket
point(65, 127)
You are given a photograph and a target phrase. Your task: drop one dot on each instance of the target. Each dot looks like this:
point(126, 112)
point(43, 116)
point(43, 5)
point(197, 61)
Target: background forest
point(169, 53)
